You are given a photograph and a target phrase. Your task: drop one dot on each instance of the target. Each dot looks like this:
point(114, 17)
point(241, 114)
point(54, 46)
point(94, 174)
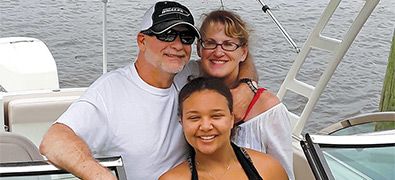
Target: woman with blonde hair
point(266, 125)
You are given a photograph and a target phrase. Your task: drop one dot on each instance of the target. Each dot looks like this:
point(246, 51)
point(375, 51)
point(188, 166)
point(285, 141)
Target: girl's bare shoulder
point(181, 171)
point(267, 166)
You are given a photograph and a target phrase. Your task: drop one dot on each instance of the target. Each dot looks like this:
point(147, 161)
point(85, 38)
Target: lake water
point(72, 29)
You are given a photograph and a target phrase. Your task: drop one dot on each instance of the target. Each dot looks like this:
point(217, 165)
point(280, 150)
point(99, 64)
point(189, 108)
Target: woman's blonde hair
point(234, 26)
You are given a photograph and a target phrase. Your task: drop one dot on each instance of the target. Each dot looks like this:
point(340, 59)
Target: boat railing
point(337, 48)
point(44, 169)
point(359, 120)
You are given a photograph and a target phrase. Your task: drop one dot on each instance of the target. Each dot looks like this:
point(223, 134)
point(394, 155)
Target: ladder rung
point(300, 88)
point(326, 43)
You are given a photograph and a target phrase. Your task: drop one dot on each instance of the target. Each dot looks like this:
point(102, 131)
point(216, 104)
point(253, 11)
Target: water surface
point(72, 29)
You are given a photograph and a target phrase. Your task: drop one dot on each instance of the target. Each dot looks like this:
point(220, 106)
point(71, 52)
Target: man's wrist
point(251, 84)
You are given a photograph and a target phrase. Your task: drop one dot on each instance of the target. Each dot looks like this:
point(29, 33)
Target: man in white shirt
point(132, 111)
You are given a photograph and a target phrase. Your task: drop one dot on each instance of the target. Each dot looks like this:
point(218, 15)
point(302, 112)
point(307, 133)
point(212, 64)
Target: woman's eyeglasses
point(187, 37)
point(226, 45)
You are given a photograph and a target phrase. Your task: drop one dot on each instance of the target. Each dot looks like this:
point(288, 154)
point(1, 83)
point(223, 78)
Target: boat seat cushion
point(15, 147)
point(32, 117)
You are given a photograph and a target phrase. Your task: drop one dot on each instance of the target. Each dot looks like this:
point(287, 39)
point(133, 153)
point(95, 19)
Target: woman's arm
point(242, 94)
point(278, 141)
point(248, 69)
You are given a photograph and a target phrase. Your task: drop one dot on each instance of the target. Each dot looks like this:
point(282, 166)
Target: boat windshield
point(361, 162)
point(351, 157)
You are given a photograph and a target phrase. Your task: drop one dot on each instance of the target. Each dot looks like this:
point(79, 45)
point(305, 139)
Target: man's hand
point(242, 97)
point(66, 150)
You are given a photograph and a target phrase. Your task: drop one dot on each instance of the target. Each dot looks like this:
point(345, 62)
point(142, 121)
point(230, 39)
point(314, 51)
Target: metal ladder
point(338, 49)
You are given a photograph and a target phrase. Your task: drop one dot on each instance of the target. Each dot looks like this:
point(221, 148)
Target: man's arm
point(242, 94)
point(68, 151)
point(248, 69)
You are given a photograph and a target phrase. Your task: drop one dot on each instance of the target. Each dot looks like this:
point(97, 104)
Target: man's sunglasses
point(187, 37)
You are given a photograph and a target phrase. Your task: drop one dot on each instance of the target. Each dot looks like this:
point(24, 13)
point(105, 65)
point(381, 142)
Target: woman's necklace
point(204, 167)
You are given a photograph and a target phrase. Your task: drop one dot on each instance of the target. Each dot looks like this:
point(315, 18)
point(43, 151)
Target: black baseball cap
point(164, 15)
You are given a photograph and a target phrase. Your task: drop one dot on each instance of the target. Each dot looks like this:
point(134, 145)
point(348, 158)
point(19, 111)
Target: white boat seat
point(32, 117)
point(31, 114)
point(15, 147)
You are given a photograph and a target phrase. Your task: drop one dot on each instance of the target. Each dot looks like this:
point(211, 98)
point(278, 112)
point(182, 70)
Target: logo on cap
point(173, 10)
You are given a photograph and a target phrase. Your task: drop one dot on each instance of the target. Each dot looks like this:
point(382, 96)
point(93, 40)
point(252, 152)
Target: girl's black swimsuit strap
point(192, 167)
point(246, 163)
point(242, 157)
